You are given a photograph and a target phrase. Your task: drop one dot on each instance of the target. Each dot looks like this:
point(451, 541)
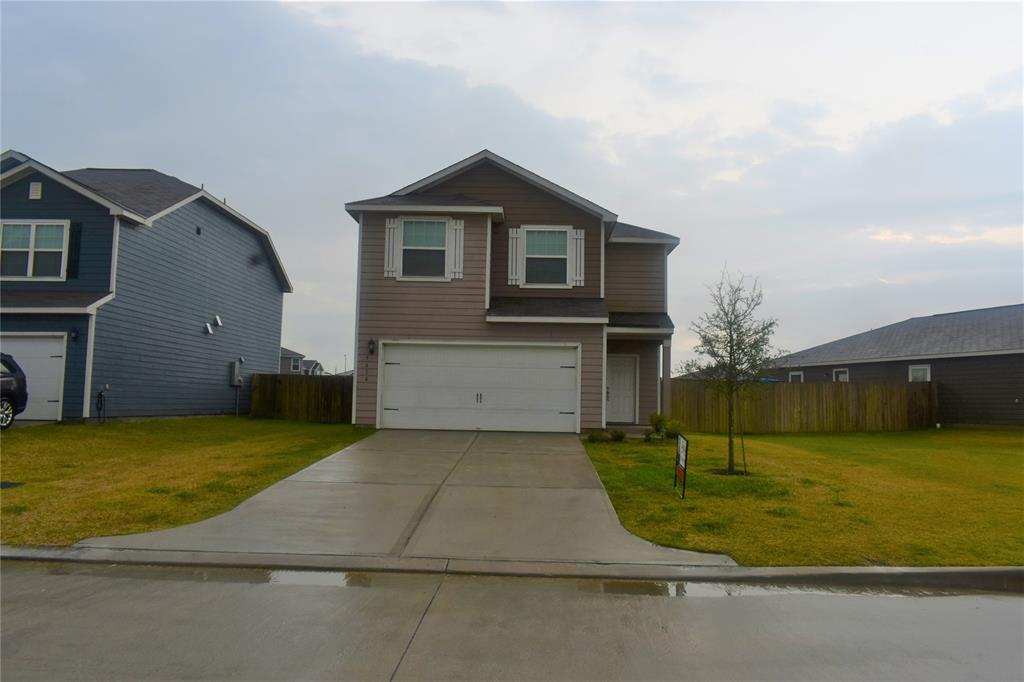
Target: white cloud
point(887, 235)
point(657, 69)
point(1002, 236)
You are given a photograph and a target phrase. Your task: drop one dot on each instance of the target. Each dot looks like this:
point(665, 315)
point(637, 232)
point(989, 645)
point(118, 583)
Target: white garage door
point(490, 388)
point(42, 360)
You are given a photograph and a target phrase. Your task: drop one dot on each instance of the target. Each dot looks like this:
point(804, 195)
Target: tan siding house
point(490, 298)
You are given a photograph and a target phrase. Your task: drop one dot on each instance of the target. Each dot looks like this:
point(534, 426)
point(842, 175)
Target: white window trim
point(400, 236)
point(910, 373)
point(841, 369)
point(296, 365)
point(567, 229)
point(31, 250)
point(794, 374)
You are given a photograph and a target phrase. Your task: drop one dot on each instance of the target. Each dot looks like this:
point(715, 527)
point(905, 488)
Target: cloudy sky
point(864, 161)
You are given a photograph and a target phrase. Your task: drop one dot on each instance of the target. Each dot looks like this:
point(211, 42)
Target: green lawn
point(85, 480)
point(922, 498)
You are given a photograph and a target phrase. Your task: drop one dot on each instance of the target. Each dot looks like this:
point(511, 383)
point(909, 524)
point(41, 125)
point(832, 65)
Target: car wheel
point(6, 413)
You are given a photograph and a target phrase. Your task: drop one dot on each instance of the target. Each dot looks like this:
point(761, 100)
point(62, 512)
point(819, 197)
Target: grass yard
point(953, 497)
point(85, 480)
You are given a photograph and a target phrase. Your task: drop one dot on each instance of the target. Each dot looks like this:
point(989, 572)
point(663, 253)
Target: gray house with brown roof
point(489, 297)
point(976, 358)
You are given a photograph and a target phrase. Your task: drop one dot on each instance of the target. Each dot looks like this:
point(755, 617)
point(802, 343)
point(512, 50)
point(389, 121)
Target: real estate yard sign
point(682, 445)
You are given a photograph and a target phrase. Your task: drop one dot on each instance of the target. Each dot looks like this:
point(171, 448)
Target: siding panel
point(635, 278)
point(150, 343)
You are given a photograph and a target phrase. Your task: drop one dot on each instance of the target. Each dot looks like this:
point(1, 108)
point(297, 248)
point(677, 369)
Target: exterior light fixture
point(217, 321)
point(209, 329)
point(371, 346)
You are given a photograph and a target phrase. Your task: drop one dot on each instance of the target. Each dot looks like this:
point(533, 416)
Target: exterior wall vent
point(35, 190)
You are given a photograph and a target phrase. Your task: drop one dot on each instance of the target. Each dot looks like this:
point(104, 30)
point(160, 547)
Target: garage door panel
point(508, 388)
point(42, 360)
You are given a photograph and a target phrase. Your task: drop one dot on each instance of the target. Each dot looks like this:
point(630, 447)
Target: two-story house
point(488, 297)
point(135, 284)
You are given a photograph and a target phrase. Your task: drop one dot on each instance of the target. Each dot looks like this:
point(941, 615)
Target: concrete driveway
point(431, 494)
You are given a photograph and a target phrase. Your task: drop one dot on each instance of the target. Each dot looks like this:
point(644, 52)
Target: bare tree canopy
point(734, 346)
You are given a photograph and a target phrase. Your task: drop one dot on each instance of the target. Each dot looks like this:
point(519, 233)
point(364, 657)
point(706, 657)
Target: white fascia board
point(548, 320)
point(115, 209)
point(203, 194)
point(388, 208)
point(529, 176)
point(900, 358)
point(642, 331)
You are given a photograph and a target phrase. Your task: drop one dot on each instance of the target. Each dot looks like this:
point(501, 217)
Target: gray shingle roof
point(644, 320)
point(142, 190)
point(286, 352)
point(15, 298)
point(548, 307)
point(624, 232)
point(968, 332)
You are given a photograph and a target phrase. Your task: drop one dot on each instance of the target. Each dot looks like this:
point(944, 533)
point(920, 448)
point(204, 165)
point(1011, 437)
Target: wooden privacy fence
point(302, 398)
point(808, 408)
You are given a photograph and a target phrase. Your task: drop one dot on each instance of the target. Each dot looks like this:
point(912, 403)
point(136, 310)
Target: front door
point(621, 391)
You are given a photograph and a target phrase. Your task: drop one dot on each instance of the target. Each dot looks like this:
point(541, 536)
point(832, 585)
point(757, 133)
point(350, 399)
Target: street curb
point(986, 578)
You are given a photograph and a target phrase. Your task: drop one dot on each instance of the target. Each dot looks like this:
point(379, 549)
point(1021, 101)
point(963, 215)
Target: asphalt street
point(96, 622)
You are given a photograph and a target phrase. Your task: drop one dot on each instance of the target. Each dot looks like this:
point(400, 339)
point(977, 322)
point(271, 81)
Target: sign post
point(682, 445)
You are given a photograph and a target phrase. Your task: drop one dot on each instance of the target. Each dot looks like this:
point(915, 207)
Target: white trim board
point(538, 319)
point(524, 174)
point(90, 349)
point(391, 208)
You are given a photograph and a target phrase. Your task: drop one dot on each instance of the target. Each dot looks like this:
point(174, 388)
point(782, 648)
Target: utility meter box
point(234, 373)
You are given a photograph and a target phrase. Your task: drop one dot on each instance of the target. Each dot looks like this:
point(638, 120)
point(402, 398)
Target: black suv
point(13, 395)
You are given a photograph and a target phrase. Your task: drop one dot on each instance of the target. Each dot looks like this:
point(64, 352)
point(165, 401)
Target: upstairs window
point(796, 377)
point(919, 373)
point(424, 243)
point(547, 257)
point(296, 364)
point(841, 375)
point(33, 249)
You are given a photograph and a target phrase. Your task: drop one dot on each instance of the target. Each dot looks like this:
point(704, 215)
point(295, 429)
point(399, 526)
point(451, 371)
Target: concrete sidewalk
point(401, 498)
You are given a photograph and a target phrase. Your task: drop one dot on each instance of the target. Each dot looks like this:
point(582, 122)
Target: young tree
point(734, 346)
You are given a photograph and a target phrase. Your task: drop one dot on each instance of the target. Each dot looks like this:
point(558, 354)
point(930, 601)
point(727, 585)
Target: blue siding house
point(136, 285)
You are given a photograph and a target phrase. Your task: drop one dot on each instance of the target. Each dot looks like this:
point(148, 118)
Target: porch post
point(666, 376)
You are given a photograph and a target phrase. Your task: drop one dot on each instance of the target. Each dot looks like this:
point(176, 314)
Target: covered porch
point(638, 366)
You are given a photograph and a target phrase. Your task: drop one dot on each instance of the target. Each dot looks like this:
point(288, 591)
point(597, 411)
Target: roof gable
point(528, 176)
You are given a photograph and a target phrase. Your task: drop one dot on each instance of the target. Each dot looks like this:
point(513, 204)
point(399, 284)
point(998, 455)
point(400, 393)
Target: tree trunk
point(732, 463)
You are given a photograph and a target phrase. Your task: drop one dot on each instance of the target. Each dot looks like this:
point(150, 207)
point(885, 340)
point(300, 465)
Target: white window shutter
point(576, 258)
point(392, 244)
point(454, 248)
point(516, 256)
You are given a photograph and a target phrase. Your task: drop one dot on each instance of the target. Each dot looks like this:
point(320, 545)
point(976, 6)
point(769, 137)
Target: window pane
point(545, 243)
point(16, 236)
point(46, 264)
point(14, 263)
point(417, 263)
point(545, 271)
point(49, 236)
point(919, 374)
point(424, 233)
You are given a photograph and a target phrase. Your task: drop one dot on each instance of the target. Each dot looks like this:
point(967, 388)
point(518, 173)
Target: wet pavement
point(79, 621)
